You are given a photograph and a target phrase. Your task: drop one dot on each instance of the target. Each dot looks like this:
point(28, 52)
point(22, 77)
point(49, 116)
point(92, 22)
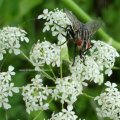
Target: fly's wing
point(93, 26)
point(75, 22)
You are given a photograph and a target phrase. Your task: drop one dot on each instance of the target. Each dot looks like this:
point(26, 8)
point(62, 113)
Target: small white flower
point(65, 114)
point(35, 95)
point(45, 52)
point(10, 70)
point(56, 22)
point(67, 90)
point(7, 87)
point(86, 71)
point(109, 102)
point(111, 86)
point(10, 39)
point(44, 15)
point(104, 55)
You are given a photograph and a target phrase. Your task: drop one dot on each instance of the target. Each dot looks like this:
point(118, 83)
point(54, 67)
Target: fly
point(80, 33)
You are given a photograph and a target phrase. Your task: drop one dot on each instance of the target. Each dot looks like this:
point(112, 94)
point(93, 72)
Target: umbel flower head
point(7, 87)
point(35, 95)
point(86, 71)
point(109, 102)
point(65, 114)
point(104, 55)
point(45, 53)
point(10, 38)
point(55, 22)
point(67, 90)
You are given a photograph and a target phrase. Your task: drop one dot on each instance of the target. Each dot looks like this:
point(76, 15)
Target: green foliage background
point(23, 13)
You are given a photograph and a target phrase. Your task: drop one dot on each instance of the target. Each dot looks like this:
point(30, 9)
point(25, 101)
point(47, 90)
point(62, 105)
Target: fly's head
point(70, 32)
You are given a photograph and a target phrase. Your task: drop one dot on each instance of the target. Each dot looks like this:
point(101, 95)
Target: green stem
point(88, 95)
point(70, 4)
point(60, 64)
point(3, 62)
point(47, 75)
point(6, 116)
point(25, 56)
point(51, 87)
point(52, 72)
point(21, 88)
point(38, 115)
point(116, 68)
point(62, 106)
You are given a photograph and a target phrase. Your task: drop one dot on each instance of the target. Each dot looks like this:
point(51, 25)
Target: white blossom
point(104, 55)
point(56, 22)
point(109, 102)
point(10, 38)
point(67, 90)
point(65, 114)
point(7, 87)
point(45, 53)
point(87, 70)
point(44, 15)
point(35, 95)
point(100, 60)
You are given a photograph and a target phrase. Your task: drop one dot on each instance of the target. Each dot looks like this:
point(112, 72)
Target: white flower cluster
point(87, 70)
point(65, 114)
point(104, 55)
point(7, 87)
point(45, 52)
point(100, 60)
point(56, 22)
point(36, 95)
point(10, 38)
point(67, 90)
point(109, 102)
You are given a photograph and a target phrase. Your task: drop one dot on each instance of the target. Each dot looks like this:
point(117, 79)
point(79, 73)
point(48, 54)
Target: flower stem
point(25, 56)
point(51, 87)
point(47, 75)
point(70, 4)
point(62, 105)
point(88, 96)
point(3, 62)
point(52, 72)
point(116, 68)
point(6, 116)
point(60, 63)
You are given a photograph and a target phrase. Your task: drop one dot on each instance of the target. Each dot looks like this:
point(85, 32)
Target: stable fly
point(80, 33)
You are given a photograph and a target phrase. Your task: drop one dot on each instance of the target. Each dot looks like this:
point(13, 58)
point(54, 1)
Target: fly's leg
point(86, 50)
point(68, 29)
point(67, 38)
point(82, 56)
point(74, 54)
point(83, 53)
